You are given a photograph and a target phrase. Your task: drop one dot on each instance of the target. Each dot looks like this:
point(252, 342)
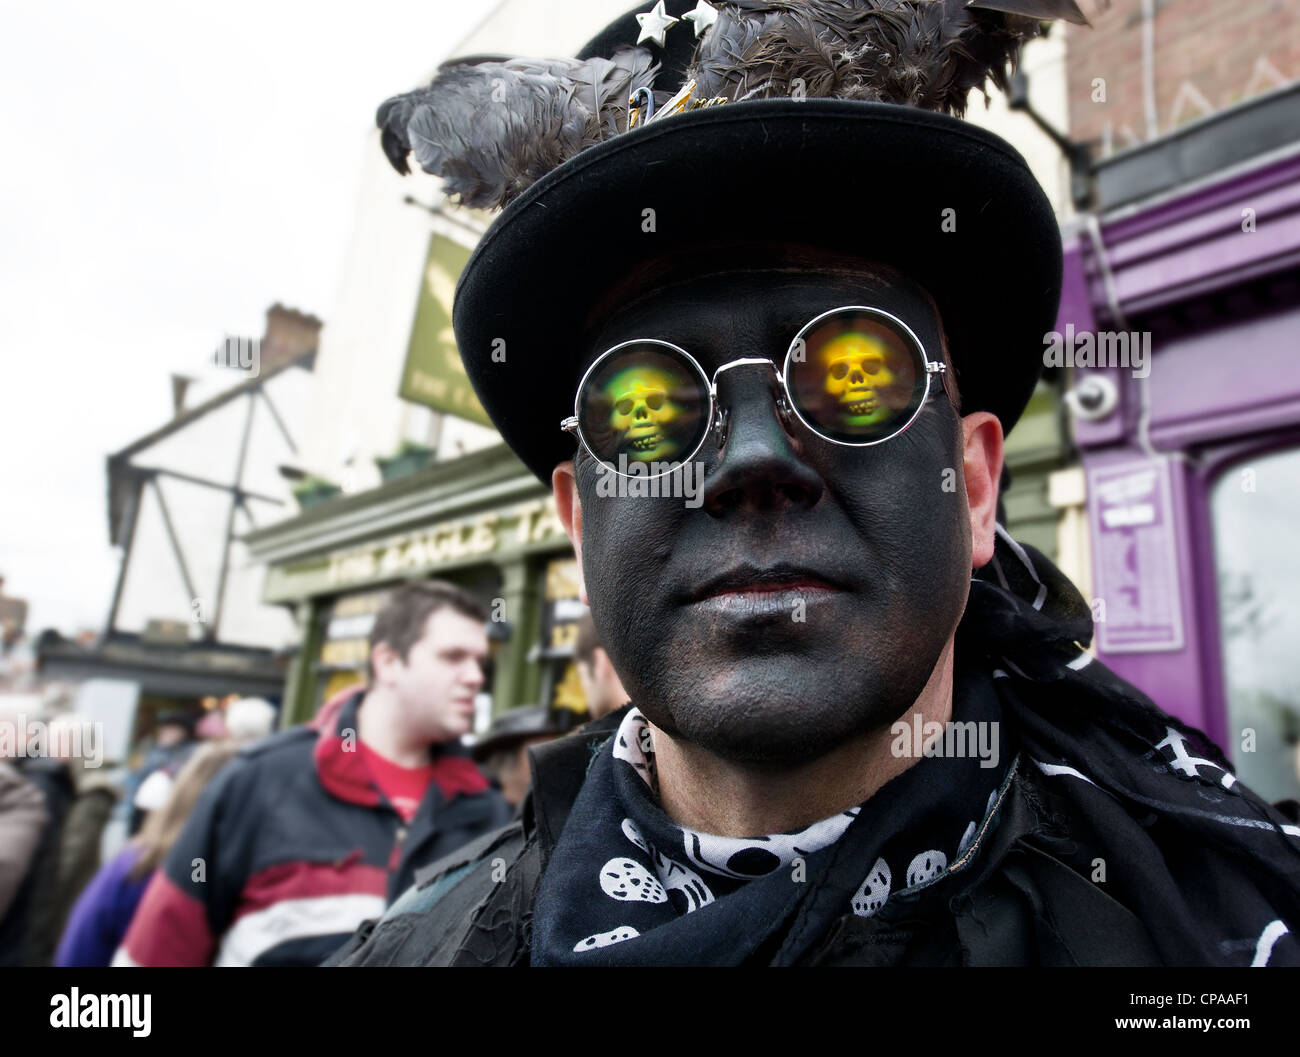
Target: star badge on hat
point(655, 24)
point(702, 16)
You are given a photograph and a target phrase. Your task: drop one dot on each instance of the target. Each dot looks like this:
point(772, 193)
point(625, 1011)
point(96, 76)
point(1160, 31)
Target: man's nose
point(758, 468)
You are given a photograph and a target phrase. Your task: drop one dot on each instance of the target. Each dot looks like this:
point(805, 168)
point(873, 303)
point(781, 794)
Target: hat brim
point(480, 751)
point(872, 180)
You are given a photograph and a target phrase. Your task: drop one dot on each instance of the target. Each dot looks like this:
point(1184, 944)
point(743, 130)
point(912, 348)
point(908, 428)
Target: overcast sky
point(169, 171)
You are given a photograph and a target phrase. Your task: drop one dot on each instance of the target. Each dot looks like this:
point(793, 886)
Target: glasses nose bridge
point(722, 414)
point(744, 361)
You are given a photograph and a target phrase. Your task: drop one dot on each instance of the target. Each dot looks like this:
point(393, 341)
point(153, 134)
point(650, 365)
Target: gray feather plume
point(491, 129)
point(922, 53)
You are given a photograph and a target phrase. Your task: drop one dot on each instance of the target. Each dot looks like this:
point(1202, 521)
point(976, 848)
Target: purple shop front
point(1192, 459)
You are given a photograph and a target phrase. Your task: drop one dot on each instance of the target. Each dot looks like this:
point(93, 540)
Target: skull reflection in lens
point(645, 403)
point(856, 377)
point(644, 414)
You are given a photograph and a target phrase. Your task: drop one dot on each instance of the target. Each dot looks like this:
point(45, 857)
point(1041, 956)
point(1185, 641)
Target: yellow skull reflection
point(859, 378)
point(644, 414)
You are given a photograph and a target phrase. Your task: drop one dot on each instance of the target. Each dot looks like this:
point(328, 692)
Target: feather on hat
point(490, 129)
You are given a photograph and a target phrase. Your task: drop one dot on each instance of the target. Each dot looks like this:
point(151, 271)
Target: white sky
point(167, 171)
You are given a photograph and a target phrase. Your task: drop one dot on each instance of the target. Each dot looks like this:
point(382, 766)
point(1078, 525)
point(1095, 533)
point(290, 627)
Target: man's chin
point(783, 711)
point(776, 735)
point(449, 731)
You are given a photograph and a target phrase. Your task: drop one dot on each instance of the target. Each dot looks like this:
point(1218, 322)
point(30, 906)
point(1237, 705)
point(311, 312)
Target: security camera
point(1094, 398)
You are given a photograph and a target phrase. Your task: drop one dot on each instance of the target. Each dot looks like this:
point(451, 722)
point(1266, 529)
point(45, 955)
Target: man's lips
point(759, 582)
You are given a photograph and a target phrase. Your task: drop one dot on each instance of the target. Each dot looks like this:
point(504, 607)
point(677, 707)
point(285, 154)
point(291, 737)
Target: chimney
point(180, 386)
point(289, 333)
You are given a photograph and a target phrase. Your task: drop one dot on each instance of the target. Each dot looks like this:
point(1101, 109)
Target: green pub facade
point(481, 521)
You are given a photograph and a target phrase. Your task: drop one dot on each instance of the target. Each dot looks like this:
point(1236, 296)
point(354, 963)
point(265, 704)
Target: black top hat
point(177, 718)
point(953, 207)
point(866, 178)
point(514, 727)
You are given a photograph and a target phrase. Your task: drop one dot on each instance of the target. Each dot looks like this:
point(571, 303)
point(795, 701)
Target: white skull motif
point(926, 867)
point(966, 838)
point(605, 939)
point(629, 881)
point(633, 833)
point(874, 891)
point(672, 875)
point(678, 878)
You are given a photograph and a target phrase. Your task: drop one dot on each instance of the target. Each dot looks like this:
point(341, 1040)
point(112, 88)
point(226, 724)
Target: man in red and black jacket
point(307, 833)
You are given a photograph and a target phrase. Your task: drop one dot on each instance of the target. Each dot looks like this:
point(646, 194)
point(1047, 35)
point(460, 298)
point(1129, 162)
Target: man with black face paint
point(700, 607)
point(863, 726)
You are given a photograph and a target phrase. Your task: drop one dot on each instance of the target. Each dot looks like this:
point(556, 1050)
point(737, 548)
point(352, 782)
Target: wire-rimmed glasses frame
point(786, 406)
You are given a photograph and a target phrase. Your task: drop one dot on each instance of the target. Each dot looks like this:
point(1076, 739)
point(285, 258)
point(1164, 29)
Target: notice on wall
point(1138, 606)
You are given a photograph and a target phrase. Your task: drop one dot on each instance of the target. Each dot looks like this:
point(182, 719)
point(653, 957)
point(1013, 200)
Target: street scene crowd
point(783, 482)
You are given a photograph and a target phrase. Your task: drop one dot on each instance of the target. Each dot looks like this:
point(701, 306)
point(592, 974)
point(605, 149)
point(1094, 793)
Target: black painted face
point(807, 600)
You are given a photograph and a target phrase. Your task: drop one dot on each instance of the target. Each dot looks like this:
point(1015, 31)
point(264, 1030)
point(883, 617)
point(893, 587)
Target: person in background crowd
point(503, 754)
point(250, 718)
point(175, 742)
point(246, 719)
point(211, 727)
point(29, 932)
point(22, 820)
point(83, 828)
point(600, 683)
point(101, 915)
point(310, 831)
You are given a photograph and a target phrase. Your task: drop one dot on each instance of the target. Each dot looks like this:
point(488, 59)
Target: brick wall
point(1207, 52)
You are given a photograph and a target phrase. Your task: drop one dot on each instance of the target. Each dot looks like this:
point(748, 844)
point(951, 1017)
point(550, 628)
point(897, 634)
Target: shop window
point(1255, 507)
point(561, 608)
point(345, 646)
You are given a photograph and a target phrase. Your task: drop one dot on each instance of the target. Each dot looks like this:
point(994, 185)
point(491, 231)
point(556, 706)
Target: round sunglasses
point(854, 376)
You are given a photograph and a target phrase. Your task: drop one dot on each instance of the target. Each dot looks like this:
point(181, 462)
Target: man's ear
point(569, 508)
point(382, 660)
point(982, 464)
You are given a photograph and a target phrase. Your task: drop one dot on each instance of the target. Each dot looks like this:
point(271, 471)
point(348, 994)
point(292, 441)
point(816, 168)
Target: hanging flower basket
point(409, 458)
point(315, 490)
